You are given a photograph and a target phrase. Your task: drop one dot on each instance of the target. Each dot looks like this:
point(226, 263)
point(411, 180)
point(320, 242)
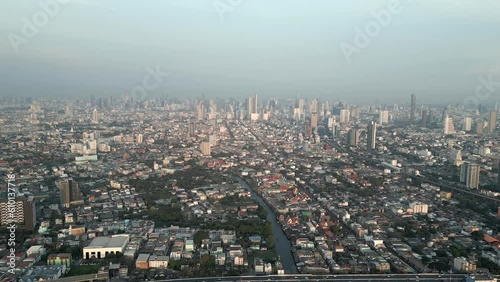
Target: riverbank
point(282, 243)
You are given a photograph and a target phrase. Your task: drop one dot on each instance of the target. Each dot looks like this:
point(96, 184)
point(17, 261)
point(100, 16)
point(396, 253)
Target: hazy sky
point(434, 48)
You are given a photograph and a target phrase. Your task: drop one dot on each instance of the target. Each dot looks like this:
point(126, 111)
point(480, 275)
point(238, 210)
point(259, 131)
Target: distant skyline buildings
point(413, 105)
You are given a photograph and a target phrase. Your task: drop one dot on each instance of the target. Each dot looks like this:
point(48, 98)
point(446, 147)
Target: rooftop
point(108, 242)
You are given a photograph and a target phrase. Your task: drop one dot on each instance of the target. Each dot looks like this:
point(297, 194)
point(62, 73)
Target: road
point(345, 278)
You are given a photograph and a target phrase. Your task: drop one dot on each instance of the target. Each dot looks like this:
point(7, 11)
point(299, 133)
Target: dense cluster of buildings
point(355, 188)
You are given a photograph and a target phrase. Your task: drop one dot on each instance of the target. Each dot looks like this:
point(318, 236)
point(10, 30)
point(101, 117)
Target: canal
point(283, 245)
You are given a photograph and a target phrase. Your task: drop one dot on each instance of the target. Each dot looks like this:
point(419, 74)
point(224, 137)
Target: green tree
point(199, 236)
point(477, 235)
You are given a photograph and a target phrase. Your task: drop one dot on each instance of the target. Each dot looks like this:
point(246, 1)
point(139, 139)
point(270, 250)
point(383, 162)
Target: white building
point(158, 261)
point(419, 208)
point(99, 247)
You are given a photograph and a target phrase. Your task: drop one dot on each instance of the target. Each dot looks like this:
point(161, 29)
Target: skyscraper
point(353, 137)
point(492, 122)
point(313, 107)
point(344, 116)
point(479, 126)
point(24, 212)
point(95, 116)
point(200, 111)
point(354, 112)
point(425, 117)
point(469, 174)
point(448, 125)
point(372, 135)
point(192, 128)
point(413, 106)
point(383, 117)
point(205, 148)
point(314, 120)
point(467, 124)
point(308, 130)
point(69, 192)
point(252, 105)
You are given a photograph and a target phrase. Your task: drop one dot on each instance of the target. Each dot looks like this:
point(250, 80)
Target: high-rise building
point(314, 120)
point(479, 126)
point(372, 135)
point(22, 211)
point(467, 124)
point(192, 128)
point(297, 114)
point(201, 111)
point(383, 117)
point(425, 117)
point(301, 103)
point(308, 130)
point(69, 192)
point(205, 148)
point(354, 112)
point(95, 116)
point(413, 107)
point(492, 122)
point(252, 106)
point(448, 125)
point(344, 116)
point(469, 174)
point(313, 107)
point(353, 137)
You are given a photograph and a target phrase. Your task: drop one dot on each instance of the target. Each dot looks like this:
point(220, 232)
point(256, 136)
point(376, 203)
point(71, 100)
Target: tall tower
point(469, 174)
point(314, 120)
point(344, 116)
point(425, 117)
point(467, 124)
point(448, 125)
point(205, 148)
point(479, 126)
point(200, 111)
point(69, 193)
point(252, 105)
point(353, 137)
point(492, 122)
point(25, 212)
point(383, 117)
point(413, 106)
point(192, 128)
point(372, 135)
point(95, 116)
